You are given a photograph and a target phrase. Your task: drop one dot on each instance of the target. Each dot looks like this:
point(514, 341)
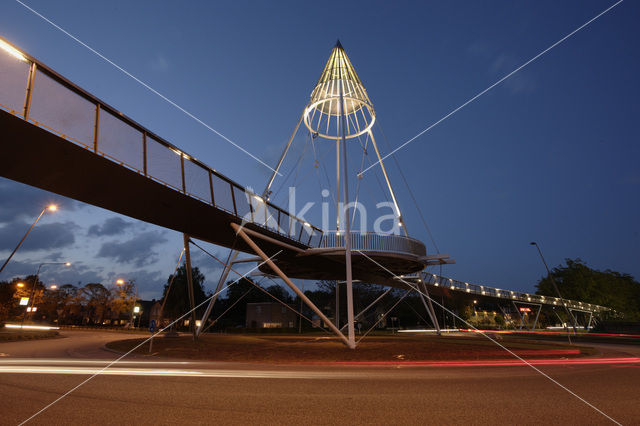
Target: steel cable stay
point(406, 293)
point(416, 312)
point(362, 312)
point(173, 277)
point(227, 310)
point(258, 286)
point(317, 159)
point(300, 314)
point(291, 172)
point(406, 183)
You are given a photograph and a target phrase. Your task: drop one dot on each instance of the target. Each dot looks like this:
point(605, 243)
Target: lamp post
point(51, 208)
point(533, 243)
point(33, 286)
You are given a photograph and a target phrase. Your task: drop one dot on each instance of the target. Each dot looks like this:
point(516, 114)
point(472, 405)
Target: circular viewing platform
point(374, 242)
point(376, 258)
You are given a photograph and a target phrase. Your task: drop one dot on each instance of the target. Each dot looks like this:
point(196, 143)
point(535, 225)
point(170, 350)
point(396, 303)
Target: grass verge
point(296, 348)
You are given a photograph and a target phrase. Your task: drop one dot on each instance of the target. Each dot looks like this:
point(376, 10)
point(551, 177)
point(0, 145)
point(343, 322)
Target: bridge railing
point(480, 290)
point(37, 94)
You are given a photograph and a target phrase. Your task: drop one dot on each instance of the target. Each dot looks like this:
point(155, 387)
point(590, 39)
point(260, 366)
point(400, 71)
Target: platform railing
point(371, 241)
point(37, 94)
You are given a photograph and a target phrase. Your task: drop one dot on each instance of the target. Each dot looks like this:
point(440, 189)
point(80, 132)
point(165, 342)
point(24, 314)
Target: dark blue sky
point(550, 155)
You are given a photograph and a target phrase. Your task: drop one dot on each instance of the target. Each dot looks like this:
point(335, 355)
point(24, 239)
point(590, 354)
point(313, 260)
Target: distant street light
point(120, 281)
point(20, 285)
point(53, 287)
point(51, 208)
point(533, 243)
point(35, 282)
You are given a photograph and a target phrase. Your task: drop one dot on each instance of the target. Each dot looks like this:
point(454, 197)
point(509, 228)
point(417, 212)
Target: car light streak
point(549, 333)
point(219, 373)
point(32, 327)
point(488, 363)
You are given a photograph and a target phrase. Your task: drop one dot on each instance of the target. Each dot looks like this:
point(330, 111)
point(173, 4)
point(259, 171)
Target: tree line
point(90, 304)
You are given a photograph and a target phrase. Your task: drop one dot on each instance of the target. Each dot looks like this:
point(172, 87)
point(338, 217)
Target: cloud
point(521, 82)
point(78, 274)
point(159, 63)
point(149, 283)
point(23, 201)
point(112, 226)
point(208, 266)
point(501, 64)
point(138, 250)
point(42, 237)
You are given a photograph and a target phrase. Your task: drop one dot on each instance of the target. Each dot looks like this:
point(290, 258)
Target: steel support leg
point(223, 277)
point(536, 320)
point(370, 305)
point(192, 303)
point(519, 314)
point(289, 283)
point(429, 306)
point(337, 304)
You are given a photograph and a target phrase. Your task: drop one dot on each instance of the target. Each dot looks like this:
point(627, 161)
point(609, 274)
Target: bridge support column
point(370, 305)
point(519, 314)
point(428, 305)
point(223, 277)
point(536, 320)
point(239, 230)
point(192, 303)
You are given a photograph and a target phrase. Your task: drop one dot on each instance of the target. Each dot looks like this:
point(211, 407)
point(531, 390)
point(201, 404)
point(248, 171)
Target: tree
point(96, 299)
point(606, 288)
point(69, 307)
point(123, 298)
point(177, 301)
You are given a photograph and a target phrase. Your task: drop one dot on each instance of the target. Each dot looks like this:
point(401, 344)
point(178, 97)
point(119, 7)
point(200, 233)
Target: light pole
point(533, 243)
point(51, 208)
point(35, 282)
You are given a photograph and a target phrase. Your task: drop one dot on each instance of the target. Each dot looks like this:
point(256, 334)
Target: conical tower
point(322, 114)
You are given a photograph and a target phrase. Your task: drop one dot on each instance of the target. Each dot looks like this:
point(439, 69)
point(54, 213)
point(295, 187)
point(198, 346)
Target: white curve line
point(146, 86)
point(490, 87)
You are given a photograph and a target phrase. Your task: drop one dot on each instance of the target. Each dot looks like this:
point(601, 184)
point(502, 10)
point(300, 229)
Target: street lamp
point(35, 281)
point(20, 285)
point(51, 208)
point(533, 243)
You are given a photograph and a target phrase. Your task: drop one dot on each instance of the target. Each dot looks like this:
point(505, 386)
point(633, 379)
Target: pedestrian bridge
point(60, 138)
point(443, 285)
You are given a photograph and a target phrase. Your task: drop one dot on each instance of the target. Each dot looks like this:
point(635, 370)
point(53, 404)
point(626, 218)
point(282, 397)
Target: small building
point(270, 315)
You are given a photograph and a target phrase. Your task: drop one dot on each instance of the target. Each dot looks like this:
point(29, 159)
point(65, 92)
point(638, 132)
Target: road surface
point(138, 391)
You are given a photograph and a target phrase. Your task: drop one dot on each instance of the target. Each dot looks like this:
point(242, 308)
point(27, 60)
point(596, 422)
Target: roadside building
point(269, 315)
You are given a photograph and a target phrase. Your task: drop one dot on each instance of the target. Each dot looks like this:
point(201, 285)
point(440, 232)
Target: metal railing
point(370, 241)
point(37, 94)
point(481, 290)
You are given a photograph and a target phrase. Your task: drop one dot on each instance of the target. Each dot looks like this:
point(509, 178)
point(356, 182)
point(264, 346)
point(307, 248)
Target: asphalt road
point(139, 392)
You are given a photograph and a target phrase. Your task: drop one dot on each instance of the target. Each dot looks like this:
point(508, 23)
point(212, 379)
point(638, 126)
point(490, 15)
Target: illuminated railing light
point(12, 51)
